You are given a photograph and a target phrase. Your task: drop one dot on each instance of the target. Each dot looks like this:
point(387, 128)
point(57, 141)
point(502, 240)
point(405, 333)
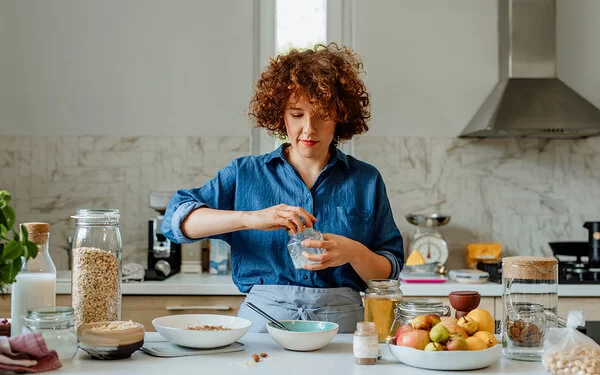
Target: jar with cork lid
point(35, 284)
point(530, 300)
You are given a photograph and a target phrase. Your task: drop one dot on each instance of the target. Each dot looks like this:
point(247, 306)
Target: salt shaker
point(365, 344)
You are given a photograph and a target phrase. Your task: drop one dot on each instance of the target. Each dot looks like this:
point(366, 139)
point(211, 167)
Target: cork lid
point(529, 268)
point(38, 232)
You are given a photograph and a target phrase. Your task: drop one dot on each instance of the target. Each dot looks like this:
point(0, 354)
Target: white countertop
point(335, 358)
point(206, 284)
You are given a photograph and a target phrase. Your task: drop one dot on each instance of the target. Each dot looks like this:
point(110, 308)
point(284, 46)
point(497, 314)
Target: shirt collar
point(336, 156)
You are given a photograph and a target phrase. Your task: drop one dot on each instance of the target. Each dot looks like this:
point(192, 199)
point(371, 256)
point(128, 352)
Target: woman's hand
point(339, 250)
point(291, 218)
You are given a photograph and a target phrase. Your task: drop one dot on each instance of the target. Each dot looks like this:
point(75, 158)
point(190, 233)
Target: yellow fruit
point(487, 337)
point(484, 319)
point(415, 259)
point(475, 343)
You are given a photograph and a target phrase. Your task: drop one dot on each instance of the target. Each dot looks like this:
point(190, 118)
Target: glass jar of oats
point(96, 268)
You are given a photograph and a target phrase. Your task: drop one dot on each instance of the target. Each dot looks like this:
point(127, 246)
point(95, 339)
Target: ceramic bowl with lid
point(111, 340)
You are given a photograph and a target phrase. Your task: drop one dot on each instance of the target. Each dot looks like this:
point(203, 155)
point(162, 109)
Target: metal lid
point(50, 317)
point(97, 216)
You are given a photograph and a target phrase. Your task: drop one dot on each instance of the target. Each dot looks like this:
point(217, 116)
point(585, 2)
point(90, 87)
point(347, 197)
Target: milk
point(32, 289)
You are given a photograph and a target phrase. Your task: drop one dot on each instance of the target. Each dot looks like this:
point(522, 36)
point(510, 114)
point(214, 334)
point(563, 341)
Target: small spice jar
point(365, 344)
point(57, 326)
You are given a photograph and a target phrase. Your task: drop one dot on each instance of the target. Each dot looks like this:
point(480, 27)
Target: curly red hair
point(327, 76)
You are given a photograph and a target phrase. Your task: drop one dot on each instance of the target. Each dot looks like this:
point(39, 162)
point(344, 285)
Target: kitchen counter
point(206, 284)
point(335, 358)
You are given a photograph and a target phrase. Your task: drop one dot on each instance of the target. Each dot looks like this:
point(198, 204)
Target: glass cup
point(525, 324)
point(295, 248)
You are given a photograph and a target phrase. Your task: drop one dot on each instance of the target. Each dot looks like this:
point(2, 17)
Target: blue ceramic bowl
point(303, 335)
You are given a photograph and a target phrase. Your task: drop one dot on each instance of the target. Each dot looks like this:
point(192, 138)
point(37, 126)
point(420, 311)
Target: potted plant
point(13, 252)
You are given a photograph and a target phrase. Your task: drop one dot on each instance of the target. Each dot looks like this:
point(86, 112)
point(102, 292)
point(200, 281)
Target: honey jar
point(380, 300)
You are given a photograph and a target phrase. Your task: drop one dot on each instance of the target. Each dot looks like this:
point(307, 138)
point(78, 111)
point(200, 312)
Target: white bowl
point(304, 335)
point(175, 328)
point(447, 360)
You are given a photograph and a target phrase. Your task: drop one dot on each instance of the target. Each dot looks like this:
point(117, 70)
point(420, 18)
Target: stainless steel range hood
point(530, 101)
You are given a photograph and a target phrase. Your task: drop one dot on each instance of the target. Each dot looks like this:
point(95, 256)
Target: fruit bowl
point(446, 360)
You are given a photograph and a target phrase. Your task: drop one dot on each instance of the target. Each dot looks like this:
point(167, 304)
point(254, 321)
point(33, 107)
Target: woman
point(316, 99)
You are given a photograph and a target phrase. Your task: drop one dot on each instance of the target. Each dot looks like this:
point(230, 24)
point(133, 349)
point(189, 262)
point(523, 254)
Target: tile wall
point(522, 193)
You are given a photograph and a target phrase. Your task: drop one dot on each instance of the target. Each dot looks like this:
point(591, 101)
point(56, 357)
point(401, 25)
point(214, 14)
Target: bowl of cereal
point(201, 330)
point(111, 340)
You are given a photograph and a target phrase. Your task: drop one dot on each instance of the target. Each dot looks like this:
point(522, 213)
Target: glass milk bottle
point(35, 284)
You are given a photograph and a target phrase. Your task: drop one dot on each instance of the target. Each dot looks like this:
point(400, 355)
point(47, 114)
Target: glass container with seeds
point(530, 300)
point(96, 268)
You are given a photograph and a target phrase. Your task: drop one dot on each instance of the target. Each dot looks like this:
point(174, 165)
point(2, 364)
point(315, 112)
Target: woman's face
point(308, 134)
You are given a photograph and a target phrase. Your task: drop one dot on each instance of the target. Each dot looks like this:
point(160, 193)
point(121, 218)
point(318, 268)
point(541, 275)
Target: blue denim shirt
point(348, 199)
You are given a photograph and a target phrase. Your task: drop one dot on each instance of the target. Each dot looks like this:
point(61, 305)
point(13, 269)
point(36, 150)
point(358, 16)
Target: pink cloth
point(27, 353)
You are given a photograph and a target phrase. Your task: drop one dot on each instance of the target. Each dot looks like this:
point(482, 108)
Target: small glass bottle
point(35, 284)
point(380, 300)
point(365, 344)
point(96, 279)
point(57, 326)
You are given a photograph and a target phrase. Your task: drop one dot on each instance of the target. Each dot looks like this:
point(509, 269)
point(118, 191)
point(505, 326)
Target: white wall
point(429, 63)
point(136, 67)
point(578, 46)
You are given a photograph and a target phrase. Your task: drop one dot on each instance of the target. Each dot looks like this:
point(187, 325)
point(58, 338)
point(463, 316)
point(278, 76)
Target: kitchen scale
point(427, 238)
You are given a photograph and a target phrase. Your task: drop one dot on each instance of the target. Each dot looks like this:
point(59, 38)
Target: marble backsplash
point(522, 193)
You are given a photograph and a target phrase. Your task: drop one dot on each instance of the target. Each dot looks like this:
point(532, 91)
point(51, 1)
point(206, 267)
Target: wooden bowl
point(111, 340)
point(464, 301)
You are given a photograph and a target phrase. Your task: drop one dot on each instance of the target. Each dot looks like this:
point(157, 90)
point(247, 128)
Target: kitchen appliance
point(578, 262)
point(427, 239)
point(164, 256)
point(529, 99)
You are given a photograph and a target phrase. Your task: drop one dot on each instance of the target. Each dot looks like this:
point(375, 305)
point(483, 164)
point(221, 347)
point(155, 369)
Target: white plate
point(175, 329)
point(446, 360)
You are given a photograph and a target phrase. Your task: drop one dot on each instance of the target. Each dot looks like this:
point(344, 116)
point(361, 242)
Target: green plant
point(12, 252)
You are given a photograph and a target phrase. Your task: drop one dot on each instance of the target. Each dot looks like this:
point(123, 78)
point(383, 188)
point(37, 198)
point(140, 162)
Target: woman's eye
point(297, 115)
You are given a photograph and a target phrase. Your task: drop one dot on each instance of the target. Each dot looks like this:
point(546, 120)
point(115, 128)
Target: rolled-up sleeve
point(389, 242)
point(218, 193)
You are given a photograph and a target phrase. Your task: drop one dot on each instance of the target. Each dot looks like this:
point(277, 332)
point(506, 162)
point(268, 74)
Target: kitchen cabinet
point(145, 308)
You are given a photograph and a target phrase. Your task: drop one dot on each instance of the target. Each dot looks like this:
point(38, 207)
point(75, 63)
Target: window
point(286, 24)
point(300, 24)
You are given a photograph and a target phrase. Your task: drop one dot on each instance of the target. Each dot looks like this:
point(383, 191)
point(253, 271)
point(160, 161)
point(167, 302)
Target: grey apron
point(287, 302)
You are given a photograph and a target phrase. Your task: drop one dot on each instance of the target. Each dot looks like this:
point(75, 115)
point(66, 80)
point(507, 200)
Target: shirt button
point(307, 195)
point(305, 277)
